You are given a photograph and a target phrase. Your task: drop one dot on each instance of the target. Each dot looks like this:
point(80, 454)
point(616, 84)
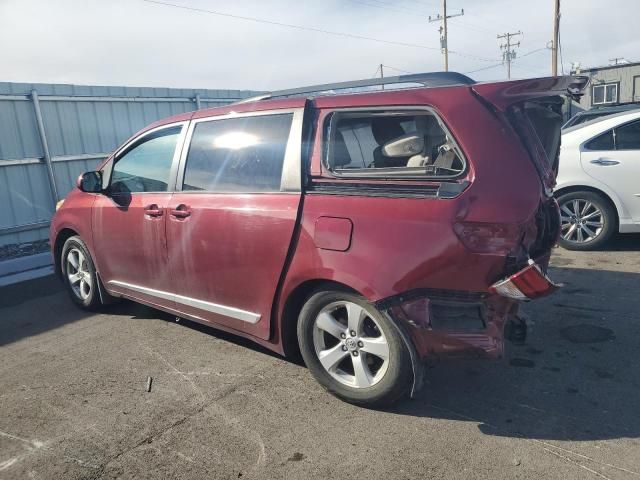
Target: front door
point(614, 159)
point(230, 227)
point(129, 220)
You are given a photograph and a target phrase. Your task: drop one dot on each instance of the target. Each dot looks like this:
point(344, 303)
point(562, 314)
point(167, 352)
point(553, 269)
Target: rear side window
point(628, 137)
point(603, 141)
point(402, 143)
point(146, 166)
point(243, 154)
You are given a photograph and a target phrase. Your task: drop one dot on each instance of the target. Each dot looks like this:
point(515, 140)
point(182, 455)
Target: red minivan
point(367, 231)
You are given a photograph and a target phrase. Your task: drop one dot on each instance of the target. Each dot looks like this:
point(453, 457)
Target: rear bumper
point(458, 323)
point(450, 323)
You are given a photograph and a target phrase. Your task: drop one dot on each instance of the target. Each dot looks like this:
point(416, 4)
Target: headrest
point(385, 129)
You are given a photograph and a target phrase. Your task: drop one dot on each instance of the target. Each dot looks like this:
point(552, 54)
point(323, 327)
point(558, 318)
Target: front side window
point(244, 154)
point(408, 144)
point(605, 93)
point(146, 166)
point(628, 136)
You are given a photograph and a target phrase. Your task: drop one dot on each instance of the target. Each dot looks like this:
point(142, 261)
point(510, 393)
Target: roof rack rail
point(432, 79)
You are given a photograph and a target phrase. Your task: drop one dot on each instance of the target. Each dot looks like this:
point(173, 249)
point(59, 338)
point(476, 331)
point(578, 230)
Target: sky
point(140, 43)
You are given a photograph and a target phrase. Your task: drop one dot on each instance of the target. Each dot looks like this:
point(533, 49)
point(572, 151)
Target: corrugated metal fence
point(50, 134)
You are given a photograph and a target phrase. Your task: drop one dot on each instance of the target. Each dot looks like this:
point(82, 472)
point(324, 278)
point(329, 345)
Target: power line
point(312, 29)
point(484, 68)
point(389, 6)
point(560, 48)
point(473, 26)
point(398, 69)
point(533, 51)
point(472, 57)
point(290, 25)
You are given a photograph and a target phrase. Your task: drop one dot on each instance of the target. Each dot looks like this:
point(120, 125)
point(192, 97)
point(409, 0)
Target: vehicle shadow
point(576, 378)
point(629, 242)
point(138, 311)
point(48, 308)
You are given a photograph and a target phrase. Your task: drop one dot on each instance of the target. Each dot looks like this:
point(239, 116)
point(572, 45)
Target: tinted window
point(146, 167)
point(238, 155)
point(390, 143)
point(601, 142)
point(628, 137)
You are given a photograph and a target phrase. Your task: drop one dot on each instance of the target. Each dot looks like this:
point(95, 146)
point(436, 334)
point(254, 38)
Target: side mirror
point(90, 182)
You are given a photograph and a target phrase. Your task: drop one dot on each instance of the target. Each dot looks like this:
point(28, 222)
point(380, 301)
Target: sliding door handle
point(181, 211)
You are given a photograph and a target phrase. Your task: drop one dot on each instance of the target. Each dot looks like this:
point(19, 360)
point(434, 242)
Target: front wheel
point(587, 220)
point(79, 274)
point(353, 350)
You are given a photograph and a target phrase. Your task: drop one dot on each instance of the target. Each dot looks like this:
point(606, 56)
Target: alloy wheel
point(581, 221)
point(78, 274)
point(350, 344)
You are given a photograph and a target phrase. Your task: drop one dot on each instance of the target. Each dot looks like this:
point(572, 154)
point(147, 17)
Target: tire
point(596, 213)
point(349, 369)
point(80, 279)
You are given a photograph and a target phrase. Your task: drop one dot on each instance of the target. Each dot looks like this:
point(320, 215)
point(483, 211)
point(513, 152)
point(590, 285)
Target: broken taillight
point(527, 284)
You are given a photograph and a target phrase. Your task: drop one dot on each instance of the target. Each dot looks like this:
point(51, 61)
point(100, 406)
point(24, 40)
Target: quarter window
point(146, 166)
point(605, 93)
point(628, 137)
point(402, 143)
point(242, 154)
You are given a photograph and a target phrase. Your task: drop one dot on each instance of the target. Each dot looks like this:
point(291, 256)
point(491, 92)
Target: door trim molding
point(224, 310)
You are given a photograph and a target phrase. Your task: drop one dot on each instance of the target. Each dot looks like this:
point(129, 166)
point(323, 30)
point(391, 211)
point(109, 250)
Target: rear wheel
point(587, 220)
point(79, 273)
point(353, 350)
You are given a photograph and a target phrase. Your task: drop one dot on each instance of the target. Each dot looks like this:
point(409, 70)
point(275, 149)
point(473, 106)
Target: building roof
point(607, 67)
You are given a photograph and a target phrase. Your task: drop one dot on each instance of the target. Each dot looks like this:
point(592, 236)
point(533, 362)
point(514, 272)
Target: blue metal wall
point(82, 125)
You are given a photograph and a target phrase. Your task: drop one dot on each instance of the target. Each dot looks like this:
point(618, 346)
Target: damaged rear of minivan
point(426, 219)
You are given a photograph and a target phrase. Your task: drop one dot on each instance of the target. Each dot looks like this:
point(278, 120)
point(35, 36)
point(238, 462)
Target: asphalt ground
point(74, 401)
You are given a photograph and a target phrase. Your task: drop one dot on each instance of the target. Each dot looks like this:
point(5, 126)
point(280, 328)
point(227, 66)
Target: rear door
point(231, 221)
point(534, 108)
point(613, 158)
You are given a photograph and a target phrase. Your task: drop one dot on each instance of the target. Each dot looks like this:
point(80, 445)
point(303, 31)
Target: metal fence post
point(197, 100)
point(45, 147)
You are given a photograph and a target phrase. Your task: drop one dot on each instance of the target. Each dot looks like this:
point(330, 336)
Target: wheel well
point(292, 307)
point(584, 188)
point(62, 237)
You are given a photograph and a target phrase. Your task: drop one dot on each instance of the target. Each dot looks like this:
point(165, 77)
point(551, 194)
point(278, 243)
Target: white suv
point(598, 185)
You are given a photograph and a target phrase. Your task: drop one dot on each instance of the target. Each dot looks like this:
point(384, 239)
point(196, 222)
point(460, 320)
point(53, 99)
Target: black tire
point(92, 299)
point(608, 216)
point(393, 383)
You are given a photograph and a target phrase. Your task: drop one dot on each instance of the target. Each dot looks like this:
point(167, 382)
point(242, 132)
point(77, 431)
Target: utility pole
point(443, 31)
point(382, 74)
point(509, 53)
point(554, 42)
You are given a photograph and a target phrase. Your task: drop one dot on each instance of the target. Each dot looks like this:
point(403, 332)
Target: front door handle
point(181, 211)
point(605, 161)
point(153, 210)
